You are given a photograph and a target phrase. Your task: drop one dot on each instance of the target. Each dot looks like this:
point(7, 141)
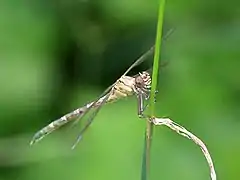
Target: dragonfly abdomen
point(57, 123)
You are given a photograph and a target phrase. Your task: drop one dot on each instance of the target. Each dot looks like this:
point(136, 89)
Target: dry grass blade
point(182, 131)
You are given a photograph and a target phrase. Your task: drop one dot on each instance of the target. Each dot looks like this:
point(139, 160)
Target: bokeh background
point(57, 55)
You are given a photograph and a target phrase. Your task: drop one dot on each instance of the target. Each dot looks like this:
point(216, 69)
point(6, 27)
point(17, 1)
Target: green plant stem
point(149, 125)
point(156, 57)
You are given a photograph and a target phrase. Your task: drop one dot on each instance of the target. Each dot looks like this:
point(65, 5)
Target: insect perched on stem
point(125, 86)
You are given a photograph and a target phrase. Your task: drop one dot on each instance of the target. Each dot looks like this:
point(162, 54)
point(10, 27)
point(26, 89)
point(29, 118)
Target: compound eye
point(139, 81)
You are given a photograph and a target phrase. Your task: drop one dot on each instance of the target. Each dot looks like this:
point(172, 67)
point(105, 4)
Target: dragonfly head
point(143, 80)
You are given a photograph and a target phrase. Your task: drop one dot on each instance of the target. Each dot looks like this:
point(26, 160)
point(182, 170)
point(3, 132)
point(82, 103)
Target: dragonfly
point(138, 85)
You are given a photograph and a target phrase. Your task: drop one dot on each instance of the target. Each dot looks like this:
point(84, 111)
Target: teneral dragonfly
point(125, 86)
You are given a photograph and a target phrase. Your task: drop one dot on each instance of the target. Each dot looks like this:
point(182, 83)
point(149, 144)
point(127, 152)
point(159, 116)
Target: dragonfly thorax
point(143, 81)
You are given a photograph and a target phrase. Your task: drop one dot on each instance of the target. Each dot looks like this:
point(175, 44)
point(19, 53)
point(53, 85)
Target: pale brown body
point(124, 87)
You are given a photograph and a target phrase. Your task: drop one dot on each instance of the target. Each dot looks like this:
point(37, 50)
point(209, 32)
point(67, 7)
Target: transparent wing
point(103, 94)
point(90, 120)
point(164, 64)
point(147, 54)
point(70, 117)
point(58, 123)
point(81, 112)
point(136, 63)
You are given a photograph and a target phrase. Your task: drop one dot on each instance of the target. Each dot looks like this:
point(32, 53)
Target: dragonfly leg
point(141, 107)
point(146, 94)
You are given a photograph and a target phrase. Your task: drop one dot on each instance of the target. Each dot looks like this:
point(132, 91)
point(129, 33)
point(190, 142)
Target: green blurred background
point(57, 55)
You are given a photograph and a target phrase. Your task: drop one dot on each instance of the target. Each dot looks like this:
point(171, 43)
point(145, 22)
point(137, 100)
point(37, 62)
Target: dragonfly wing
point(149, 70)
point(41, 134)
point(147, 54)
point(102, 95)
point(90, 119)
point(58, 123)
point(47, 130)
point(74, 117)
point(140, 60)
point(137, 62)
